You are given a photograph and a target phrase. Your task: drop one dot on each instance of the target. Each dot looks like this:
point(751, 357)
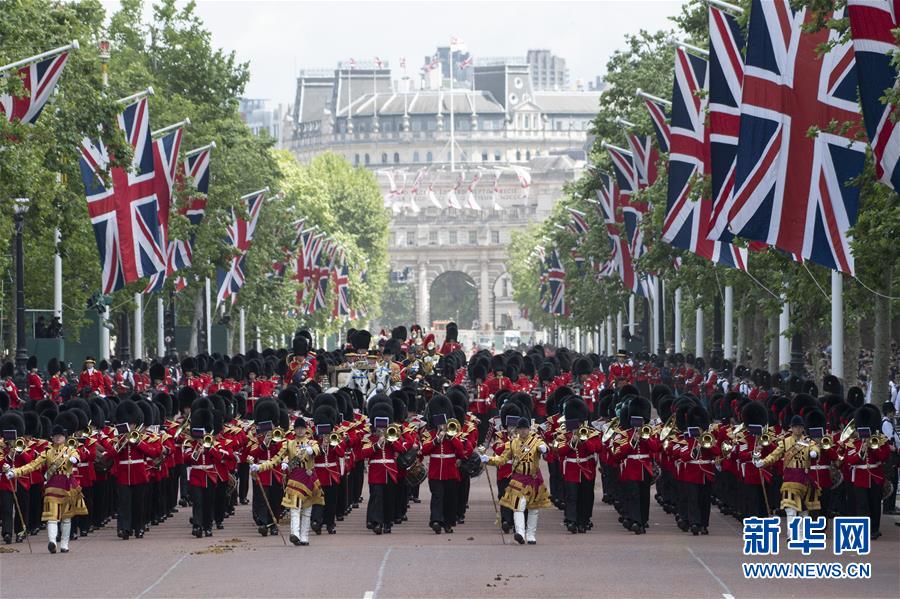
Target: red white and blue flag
point(554, 300)
point(165, 158)
point(645, 158)
point(578, 223)
point(607, 204)
point(872, 25)
point(39, 79)
point(791, 189)
point(341, 292)
point(124, 211)
point(660, 121)
point(239, 235)
point(686, 223)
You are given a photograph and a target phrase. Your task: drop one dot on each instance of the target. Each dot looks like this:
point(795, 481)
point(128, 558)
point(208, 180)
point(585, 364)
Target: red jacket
point(55, 384)
point(10, 387)
point(442, 457)
point(91, 380)
point(201, 467)
point(262, 453)
point(382, 460)
point(635, 463)
point(35, 387)
point(131, 463)
point(328, 462)
point(750, 474)
point(866, 470)
point(579, 464)
point(699, 470)
point(620, 373)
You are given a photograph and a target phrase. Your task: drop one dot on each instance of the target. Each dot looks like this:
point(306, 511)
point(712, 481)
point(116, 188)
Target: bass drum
point(837, 477)
point(416, 474)
point(408, 458)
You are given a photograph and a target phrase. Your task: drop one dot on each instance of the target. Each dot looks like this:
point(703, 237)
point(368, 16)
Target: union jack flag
point(466, 62)
point(633, 210)
point(39, 79)
point(645, 158)
point(578, 223)
point(165, 158)
point(791, 190)
point(470, 193)
point(660, 121)
point(726, 64)
point(872, 23)
point(452, 199)
point(125, 214)
point(341, 292)
point(555, 301)
point(687, 219)
point(608, 205)
point(239, 236)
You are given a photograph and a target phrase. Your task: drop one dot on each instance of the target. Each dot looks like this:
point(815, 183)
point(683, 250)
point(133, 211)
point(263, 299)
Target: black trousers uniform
point(579, 502)
point(202, 499)
point(380, 508)
point(131, 507)
point(444, 496)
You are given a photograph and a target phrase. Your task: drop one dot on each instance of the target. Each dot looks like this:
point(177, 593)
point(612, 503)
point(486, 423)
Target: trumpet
point(277, 435)
point(391, 434)
point(646, 431)
point(826, 443)
point(72, 443)
point(765, 439)
point(706, 440)
point(583, 433)
point(208, 441)
point(453, 427)
point(334, 439)
point(876, 441)
point(667, 428)
point(19, 445)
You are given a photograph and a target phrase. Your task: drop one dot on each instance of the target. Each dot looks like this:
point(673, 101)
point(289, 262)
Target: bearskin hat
point(509, 408)
point(640, 406)
point(290, 395)
point(13, 421)
point(325, 414)
point(186, 396)
point(204, 419)
point(452, 332)
point(46, 405)
point(375, 400)
point(300, 345)
point(832, 384)
point(438, 404)
point(7, 370)
point(868, 416)
point(382, 410)
point(815, 418)
point(576, 409)
point(754, 412)
point(266, 411)
point(325, 399)
point(157, 372)
point(664, 407)
point(65, 424)
point(128, 411)
point(392, 347)
point(164, 401)
point(698, 416)
point(626, 390)
point(856, 397)
point(361, 340)
point(581, 366)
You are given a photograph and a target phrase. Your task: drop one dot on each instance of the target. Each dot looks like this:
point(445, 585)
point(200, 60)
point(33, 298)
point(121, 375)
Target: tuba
point(848, 433)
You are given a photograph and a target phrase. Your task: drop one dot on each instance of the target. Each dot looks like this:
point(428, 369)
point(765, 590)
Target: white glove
point(758, 463)
point(542, 448)
point(484, 459)
point(73, 459)
point(308, 449)
point(10, 474)
point(284, 465)
point(813, 454)
point(254, 467)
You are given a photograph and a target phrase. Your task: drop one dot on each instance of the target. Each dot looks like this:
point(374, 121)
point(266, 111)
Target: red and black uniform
point(270, 480)
point(697, 473)
point(867, 477)
point(635, 473)
point(383, 479)
point(752, 476)
point(328, 471)
point(621, 373)
point(203, 477)
point(35, 386)
point(130, 467)
point(9, 385)
point(443, 476)
point(579, 468)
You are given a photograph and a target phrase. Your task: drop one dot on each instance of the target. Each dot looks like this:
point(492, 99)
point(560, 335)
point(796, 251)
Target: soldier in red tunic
point(577, 447)
point(451, 340)
point(91, 378)
point(381, 454)
point(621, 372)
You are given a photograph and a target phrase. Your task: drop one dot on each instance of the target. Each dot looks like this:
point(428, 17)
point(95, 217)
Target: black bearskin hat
point(203, 419)
point(754, 412)
point(128, 411)
point(576, 409)
point(581, 366)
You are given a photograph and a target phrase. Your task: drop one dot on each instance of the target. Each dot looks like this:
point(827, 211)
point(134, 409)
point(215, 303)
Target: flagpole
point(210, 146)
point(609, 336)
point(208, 316)
point(138, 325)
point(729, 323)
point(160, 326)
point(677, 337)
point(631, 323)
point(57, 276)
point(837, 325)
point(784, 343)
point(452, 123)
point(620, 344)
point(104, 317)
point(37, 57)
point(698, 347)
point(242, 339)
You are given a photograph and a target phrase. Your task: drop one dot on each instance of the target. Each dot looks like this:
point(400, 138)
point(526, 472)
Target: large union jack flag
point(125, 211)
point(791, 189)
point(687, 218)
point(196, 167)
point(39, 79)
point(607, 205)
point(660, 121)
point(165, 159)
point(578, 224)
point(872, 23)
point(239, 236)
point(645, 158)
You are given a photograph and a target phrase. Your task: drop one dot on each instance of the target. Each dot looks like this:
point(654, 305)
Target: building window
point(495, 237)
point(432, 125)
point(528, 155)
point(416, 125)
point(367, 159)
point(384, 158)
point(429, 157)
point(452, 237)
point(432, 237)
point(410, 238)
point(557, 125)
point(416, 156)
point(484, 156)
point(356, 159)
point(518, 156)
point(396, 158)
point(497, 155)
point(393, 238)
point(473, 237)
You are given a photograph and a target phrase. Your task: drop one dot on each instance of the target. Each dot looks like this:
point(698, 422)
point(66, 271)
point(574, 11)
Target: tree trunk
point(740, 354)
point(882, 346)
point(772, 365)
point(198, 317)
point(758, 333)
point(852, 342)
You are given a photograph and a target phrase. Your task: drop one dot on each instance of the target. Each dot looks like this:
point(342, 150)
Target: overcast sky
point(280, 37)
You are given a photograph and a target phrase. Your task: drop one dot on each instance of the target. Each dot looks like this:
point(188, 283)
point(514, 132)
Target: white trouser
point(531, 528)
point(52, 530)
point(519, 517)
point(300, 522)
point(65, 530)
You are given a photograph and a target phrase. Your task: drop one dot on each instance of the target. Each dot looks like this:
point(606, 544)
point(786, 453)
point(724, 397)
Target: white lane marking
point(160, 579)
point(374, 594)
point(711, 573)
point(727, 596)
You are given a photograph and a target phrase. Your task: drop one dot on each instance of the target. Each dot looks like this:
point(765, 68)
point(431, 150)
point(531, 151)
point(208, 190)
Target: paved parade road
point(414, 562)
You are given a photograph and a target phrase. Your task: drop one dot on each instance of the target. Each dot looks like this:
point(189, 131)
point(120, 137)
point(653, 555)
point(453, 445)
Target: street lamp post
point(19, 209)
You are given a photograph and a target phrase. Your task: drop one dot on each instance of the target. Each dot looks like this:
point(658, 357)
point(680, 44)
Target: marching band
point(305, 430)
